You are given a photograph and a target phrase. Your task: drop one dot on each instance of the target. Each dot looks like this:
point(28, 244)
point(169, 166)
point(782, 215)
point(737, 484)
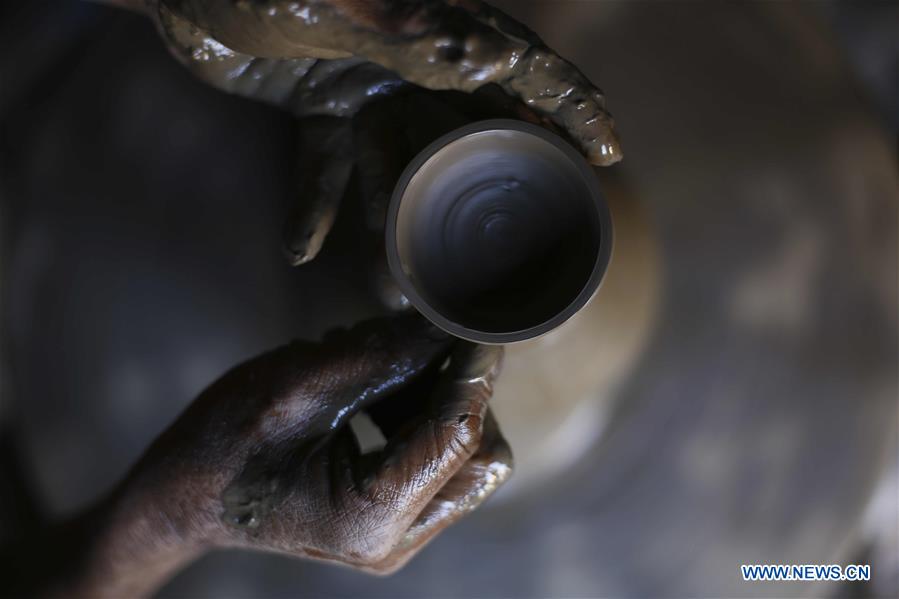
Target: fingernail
point(301, 247)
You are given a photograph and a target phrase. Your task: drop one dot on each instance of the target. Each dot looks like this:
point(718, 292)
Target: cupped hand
point(326, 60)
point(264, 458)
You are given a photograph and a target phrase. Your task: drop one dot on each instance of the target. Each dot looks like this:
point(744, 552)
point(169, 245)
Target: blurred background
point(729, 397)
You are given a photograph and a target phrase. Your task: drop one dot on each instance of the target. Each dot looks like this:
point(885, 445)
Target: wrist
point(135, 540)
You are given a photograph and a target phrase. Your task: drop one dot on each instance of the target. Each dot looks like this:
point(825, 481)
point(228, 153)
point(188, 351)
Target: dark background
point(141, 214)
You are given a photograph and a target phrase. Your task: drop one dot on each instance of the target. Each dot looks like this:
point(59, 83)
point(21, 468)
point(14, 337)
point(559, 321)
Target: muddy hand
point(263, 459)
point(329, 58)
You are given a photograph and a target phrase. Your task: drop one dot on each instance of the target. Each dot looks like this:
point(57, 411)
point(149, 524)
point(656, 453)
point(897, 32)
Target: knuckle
point(367, 530)
point(466, 434)
point(367, 546)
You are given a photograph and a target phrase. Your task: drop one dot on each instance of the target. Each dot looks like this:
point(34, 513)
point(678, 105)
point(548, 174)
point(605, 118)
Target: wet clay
point(297, 482)
point(305, 86)
point(315, 57)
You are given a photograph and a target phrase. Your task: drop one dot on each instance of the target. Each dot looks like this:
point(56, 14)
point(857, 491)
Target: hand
point(325, 60)
point(264, 458)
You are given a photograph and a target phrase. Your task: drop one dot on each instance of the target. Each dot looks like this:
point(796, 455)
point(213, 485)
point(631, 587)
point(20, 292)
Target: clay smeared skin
point(334, 57)
point(326, 145)
point(475, 481)
point(431, 44)
point(263, 459)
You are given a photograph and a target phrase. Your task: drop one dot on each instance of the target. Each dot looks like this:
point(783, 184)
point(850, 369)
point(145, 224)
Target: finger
point(325, 165)
point(431, 44)
point(305, 86)
point(415, 465)
point(387, 135)
point(376, 497)
point(497, 19)
point(398, 415)
point(477, 480)
point(383, 283)
point(340, 87)
point(556, 89)
point(323, 385)
point(469, 44)
point(381, 153)
point(269, 80)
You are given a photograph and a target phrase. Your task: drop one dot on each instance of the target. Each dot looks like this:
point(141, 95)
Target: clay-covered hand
point(325, 60)
point(264, 458)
